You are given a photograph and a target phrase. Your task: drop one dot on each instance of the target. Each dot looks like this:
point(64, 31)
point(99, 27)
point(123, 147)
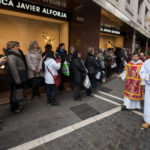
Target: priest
point(133, 92)
point(145, 76)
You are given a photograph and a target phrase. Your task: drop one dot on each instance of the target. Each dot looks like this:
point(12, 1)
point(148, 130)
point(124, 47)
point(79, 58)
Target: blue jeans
point(51, 92)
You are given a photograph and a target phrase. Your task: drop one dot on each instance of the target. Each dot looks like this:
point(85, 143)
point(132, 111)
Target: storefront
point(50, 21)
point(26, 22)
point(114, 32)
point(110, 38)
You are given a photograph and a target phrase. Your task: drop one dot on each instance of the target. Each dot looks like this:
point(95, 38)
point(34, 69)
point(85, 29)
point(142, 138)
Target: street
point(95, 123)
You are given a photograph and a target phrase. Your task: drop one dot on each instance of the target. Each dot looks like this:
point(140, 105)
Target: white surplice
point(145, 75)
point(129, 103)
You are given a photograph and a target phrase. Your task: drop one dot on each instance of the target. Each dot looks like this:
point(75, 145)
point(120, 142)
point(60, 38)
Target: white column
point(133, 41)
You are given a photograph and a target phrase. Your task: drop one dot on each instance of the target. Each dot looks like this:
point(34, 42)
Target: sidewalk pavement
point(119, 130)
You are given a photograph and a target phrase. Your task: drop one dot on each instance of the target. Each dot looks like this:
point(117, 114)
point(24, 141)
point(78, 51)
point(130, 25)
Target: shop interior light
point(50, 38)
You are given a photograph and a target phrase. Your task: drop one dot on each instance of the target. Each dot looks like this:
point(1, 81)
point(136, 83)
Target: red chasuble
point(133, 88)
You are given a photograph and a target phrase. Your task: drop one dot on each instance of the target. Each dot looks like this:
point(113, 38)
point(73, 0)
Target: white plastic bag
point(98, 75)
point(114, 65)
point(87, 82)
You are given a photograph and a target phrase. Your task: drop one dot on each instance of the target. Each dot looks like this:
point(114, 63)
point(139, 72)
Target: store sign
point(57, 3)
point(33, 8)
point(108, 30)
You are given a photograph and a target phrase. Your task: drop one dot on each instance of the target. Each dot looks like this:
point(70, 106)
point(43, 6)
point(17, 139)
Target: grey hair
point(90, 50)
point(31, 45)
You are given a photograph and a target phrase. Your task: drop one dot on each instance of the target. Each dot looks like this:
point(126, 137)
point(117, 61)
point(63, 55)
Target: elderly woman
point(92, 66)
point(16, 75)
point(34, 62)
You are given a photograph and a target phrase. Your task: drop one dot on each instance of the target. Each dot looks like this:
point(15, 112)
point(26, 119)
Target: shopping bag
point(98, 75)
point(87, 82)
point(65, 69)
point(114, 65)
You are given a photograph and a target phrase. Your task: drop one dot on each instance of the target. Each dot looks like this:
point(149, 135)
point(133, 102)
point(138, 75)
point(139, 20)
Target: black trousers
point(92, 80)
point(35, 85)
point(14, 105)
point(108, 71)
point(76, 89)
point(61, 87)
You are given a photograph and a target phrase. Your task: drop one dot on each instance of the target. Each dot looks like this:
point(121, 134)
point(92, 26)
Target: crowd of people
point(47, 69)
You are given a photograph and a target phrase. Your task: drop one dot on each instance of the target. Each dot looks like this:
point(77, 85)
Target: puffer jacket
point(16, 66)
point(91, 65)
point(34, 62)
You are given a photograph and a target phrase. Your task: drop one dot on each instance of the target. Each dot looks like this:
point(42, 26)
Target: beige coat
point(34, 62)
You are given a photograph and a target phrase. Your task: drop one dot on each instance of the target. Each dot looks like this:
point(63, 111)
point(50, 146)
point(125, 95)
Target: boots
point(33, 92)
point(49, 99)
point(54, 102)
point(37, 92)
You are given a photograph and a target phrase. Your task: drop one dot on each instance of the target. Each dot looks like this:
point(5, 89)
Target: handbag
point(56, 78)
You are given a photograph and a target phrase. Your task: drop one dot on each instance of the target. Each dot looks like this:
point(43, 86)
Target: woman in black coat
point(91, 66)
point(79, 72)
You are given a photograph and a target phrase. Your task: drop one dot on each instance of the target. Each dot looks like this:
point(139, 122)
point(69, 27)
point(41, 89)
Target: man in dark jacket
point(79, 72)
point(61, 54)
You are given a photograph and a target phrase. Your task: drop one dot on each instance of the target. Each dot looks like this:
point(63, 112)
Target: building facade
point(135, 14)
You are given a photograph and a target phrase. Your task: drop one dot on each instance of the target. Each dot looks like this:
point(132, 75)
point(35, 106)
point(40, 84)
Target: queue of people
point(35, 67)
point(49, 68)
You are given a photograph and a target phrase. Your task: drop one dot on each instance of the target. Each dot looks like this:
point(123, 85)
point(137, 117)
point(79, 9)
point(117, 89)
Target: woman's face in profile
point(93, 52)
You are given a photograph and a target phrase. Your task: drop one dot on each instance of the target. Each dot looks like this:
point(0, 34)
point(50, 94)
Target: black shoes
point(123, 108)
point(55, 103)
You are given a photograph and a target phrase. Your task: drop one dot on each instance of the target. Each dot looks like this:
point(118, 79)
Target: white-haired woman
point(34, 62)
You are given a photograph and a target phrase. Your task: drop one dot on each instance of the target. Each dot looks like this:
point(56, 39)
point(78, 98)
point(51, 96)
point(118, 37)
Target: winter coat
point(70, 57)
point(53, 66)
point(91, 65)
point(98, 60)
point(16, 66)
point(61, 54)
point(78, 71)
point(34, 62)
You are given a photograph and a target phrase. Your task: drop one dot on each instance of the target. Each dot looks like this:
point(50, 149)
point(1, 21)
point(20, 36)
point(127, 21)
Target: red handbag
point(56, 78)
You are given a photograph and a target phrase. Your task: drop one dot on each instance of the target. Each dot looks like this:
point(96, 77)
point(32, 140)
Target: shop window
point(26, 28)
